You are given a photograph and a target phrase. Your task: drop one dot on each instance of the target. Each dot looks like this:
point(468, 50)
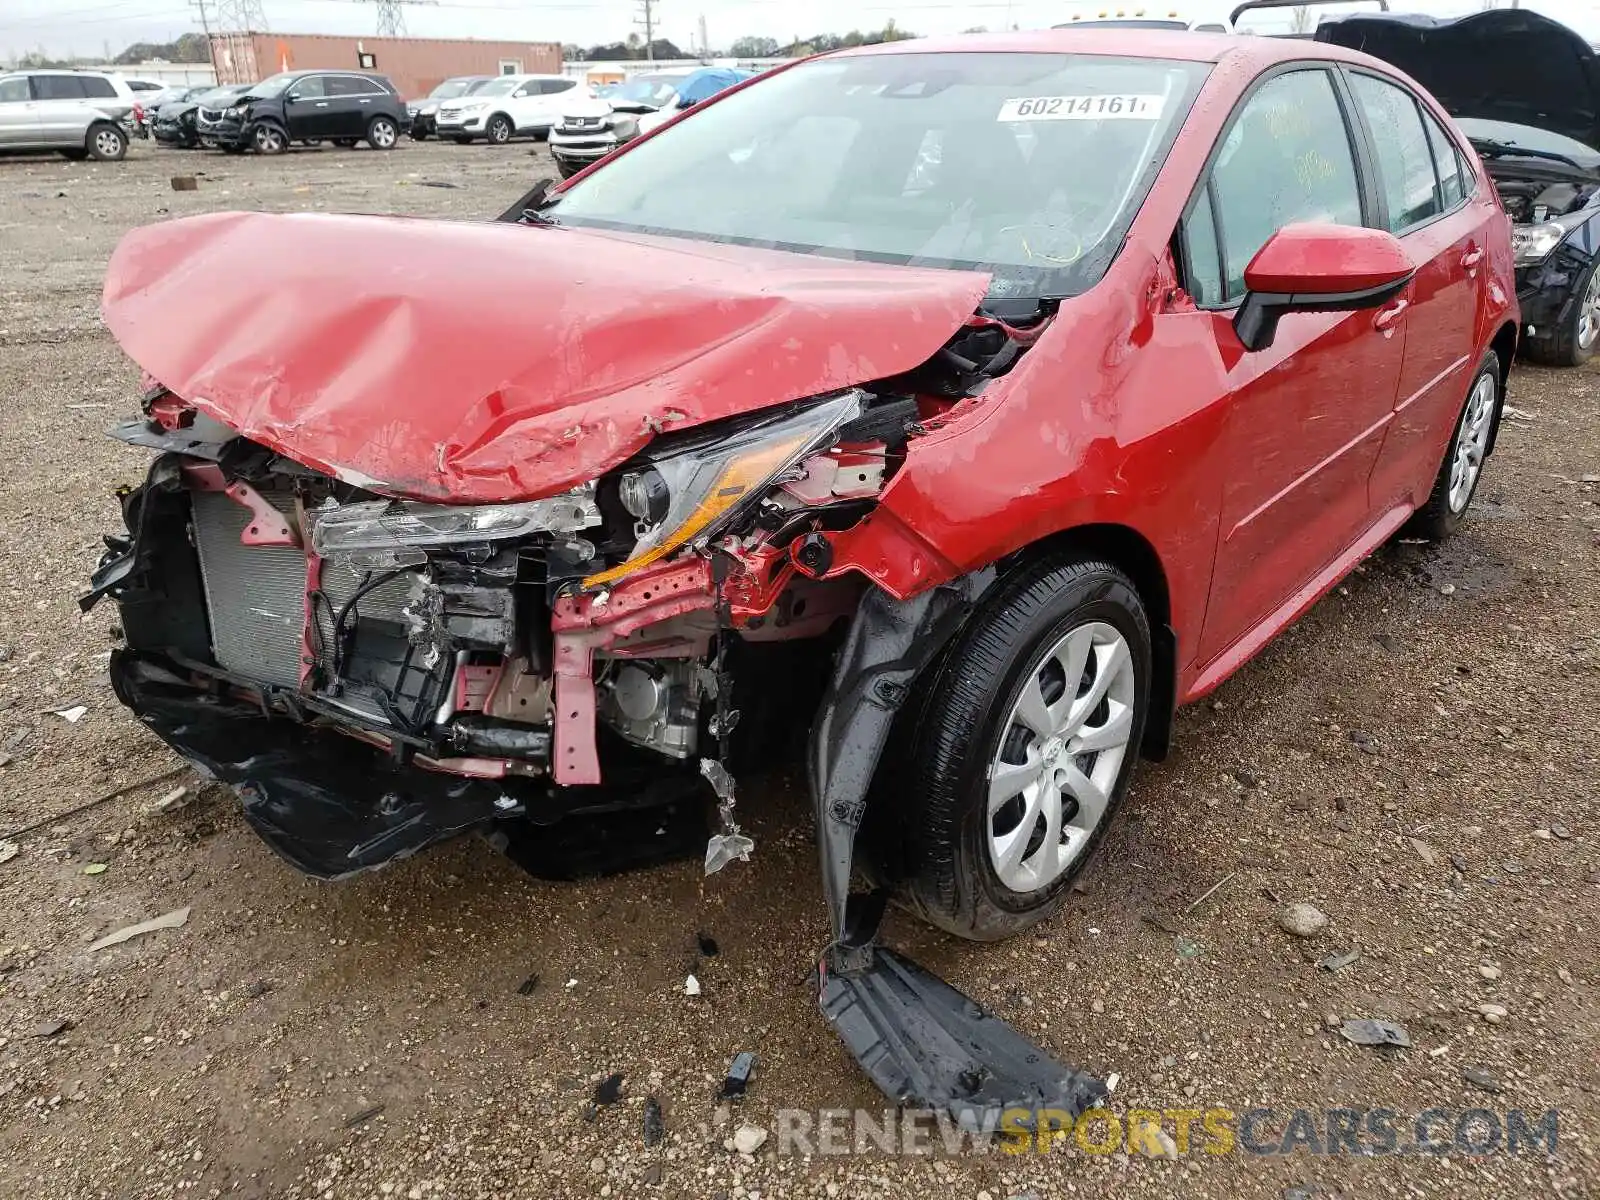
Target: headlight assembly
point(371, 525)
point(1533, 243)
point(692, 493)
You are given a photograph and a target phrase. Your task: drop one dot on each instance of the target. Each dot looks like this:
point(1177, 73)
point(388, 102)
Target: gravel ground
point(1417, 758)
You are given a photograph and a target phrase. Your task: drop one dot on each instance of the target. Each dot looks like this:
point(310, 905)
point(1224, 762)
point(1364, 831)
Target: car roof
point(1246, 51)
point(62, 71)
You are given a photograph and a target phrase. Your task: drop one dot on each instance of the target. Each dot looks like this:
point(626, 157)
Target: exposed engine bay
point(633, 618)
point(1534, 196)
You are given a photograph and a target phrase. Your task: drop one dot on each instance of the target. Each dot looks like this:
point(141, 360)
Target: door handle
point(322, 104)
point(1472, 257)
point(366, 102)
point(1388, 316)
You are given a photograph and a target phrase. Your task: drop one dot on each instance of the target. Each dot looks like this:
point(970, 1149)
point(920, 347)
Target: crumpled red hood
point(491, 362)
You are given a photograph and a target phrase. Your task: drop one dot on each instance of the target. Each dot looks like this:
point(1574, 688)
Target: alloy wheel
point(499, 132)
point(1472, 442)
point(268, 139)
point(1060, 751)
point(382, 134)
point(107, 144)
point(1589, 313)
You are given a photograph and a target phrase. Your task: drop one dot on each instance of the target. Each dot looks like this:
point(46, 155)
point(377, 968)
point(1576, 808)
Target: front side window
point(1202, 255)
point(1287, 158)
point(1034, 169)
point(14, 90)
point(58, 87)
point(310, 87)
point(497, 87)
point(1405, 160)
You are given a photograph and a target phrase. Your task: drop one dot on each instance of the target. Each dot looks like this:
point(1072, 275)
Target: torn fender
point(890, 643)
point(490, 362)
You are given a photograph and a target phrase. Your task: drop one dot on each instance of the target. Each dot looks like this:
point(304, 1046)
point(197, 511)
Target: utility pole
point(647, 18)
point(705, 38)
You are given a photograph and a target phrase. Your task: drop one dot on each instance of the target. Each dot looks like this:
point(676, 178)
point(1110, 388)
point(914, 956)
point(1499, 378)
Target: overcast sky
point(87, 27)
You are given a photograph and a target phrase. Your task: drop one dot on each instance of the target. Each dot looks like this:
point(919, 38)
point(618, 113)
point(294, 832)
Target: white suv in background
point(82, 114)
point(507, 107)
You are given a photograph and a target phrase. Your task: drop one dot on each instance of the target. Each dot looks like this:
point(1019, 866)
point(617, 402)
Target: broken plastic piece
point(71, 715)
point(654, 1127)
point(929, 1046)
point(738, 1080)
point(691, 986)
point(171, 920)
point(609, 1090)
point(722, 848)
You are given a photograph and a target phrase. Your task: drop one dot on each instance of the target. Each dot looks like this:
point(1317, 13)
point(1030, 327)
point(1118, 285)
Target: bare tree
point(1303, 21)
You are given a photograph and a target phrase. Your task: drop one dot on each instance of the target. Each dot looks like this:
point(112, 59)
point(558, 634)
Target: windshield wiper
point(1494, 148)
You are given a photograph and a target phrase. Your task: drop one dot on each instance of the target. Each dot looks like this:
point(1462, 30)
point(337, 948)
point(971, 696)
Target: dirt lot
point(1418, 758)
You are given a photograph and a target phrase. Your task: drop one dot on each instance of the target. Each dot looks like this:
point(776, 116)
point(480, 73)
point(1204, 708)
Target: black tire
point(382, 133)
point(106, 143)
point(267, 138)
point(568, 170)
point(1437, 518)
point(312, 142)
point(418, 135)
point(1566, 347)
point(76, 154)
point(930, 838)
point(499, 129)
point(347, 143)
point(461, 139)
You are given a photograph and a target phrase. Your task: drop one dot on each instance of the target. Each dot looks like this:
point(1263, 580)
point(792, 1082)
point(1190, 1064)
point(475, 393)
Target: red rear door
point(1426, 187)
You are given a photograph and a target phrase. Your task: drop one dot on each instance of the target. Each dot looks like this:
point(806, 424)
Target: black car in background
point(174, 122)
point(342, 107)
point(1526, 91)
point(425, 112)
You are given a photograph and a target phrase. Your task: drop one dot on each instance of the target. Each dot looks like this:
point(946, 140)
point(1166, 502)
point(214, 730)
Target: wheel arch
point(1132, 553)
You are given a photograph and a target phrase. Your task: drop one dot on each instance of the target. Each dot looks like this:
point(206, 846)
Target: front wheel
point(382, 133)
point(498, 130)
point(269, 139)
point(1462, 468)
point(346, 143)
point(1017, 751)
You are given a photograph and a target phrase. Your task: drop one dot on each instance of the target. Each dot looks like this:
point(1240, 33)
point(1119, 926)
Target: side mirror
point(1318, 268)
point(291, 98)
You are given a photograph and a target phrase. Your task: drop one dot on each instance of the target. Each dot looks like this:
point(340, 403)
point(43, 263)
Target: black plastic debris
point(525, 988)
point(1365, 1031)
point(655, 1128)
point(1482, 1077)
point(609, 1090)
point(708, 945)
point(926, 1045)
point(738, 1080)
point(365, 1115)
point(1339, 960)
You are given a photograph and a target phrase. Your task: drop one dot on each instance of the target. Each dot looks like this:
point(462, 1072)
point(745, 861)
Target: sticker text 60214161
point(1082, 108)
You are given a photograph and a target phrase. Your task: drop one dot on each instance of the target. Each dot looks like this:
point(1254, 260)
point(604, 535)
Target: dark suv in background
point(343, 107)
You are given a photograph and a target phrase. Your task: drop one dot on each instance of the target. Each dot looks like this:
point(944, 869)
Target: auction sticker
point(1082, 108)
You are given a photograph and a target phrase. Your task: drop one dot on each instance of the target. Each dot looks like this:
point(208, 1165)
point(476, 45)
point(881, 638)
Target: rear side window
point(96, 87)
point(1452, 172)
point(1405, 160)
point(137, 85)
point(1287, 158)
point(58, 87)
point(349, 85)
point(15, 90)
point(552, 87)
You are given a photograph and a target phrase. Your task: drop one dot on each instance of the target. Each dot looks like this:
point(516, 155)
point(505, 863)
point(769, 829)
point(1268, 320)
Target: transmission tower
point(391, 18)
point(239, 16)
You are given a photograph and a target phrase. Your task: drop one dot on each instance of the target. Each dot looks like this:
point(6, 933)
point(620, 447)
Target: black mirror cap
point(1256, 322)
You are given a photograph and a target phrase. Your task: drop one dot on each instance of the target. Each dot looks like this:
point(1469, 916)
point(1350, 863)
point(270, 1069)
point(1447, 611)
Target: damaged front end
point(374, 672)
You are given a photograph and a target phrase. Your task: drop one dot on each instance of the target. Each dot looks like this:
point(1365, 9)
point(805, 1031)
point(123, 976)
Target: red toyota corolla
point(969, 404)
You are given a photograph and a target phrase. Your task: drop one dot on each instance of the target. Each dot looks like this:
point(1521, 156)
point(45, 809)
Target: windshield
point(502, 86)
point(1529, 137)
point(1028, 166)
point(452, 88)
point(272, 85)
point(654, 90)
point(217, 97)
